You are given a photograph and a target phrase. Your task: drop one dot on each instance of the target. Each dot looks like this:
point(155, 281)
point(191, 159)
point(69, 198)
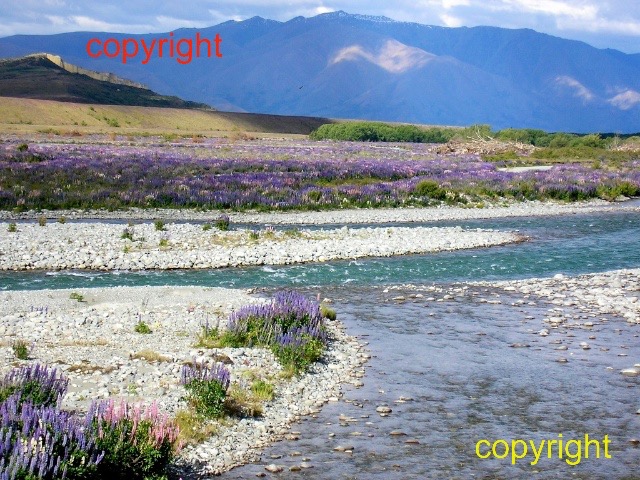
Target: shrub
point(137, 443)
point(62, 219)
point(297, 349)
point(23, 147)
point(41, 442)
point(253, 235)
point(222, 223)
point(35, 384)
point(20, 349)
point(381, 132)
point(206, 227)
point(328, 312)
point(262, 390)
point(12, 228)
point(42, 220)
point(142, 327)
point(159, 225)
point(314, 195)
point(207, 387)
point(291, 325)
point(127, 234)
point(431, 189)
point(77, 296)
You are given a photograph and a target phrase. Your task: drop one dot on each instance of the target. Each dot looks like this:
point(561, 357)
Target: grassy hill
point(25, 115)
point(36, 76)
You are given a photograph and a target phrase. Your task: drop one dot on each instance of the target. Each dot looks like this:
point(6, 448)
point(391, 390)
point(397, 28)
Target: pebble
point(273, 468)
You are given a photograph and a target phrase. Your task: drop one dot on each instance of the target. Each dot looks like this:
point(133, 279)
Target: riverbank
point(103, 246)
point(89, 335)
point(344, 216)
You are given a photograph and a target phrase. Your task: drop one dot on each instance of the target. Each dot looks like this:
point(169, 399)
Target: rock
point(343, 448)
point(396, 433)
point(630, 372)
point(383, 409)
point(273, 468)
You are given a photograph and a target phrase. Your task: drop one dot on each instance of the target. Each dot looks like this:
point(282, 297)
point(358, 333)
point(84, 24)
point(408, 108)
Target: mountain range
point(353, 66)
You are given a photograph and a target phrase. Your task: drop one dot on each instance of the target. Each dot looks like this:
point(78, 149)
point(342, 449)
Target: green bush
point(20, 349)
point(12, 228)
point(431, 189)
point(142, 327)
point(381, 132)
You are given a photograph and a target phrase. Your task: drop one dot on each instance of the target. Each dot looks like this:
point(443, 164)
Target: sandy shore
point(101, 246)
point(94, 343)
point(346, 216)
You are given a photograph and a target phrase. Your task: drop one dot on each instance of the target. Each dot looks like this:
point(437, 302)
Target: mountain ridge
point(507, 78)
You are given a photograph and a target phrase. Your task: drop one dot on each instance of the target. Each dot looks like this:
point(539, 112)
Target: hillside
point(352, 66)
point(48, 78)
point(25, 115)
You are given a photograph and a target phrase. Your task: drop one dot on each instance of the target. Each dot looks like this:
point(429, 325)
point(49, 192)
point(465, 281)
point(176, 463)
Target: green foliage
point(292, 233)
point(12, 228)
point(76, 296)
point(206, 227)
point(298, 357)
point(164, 242)
point(42, 220)
point(131, 452)
point(23, 147)
point(20, 349)
point(499, 157)
point(431, 189)
point(127, 234)
point(222, 223)
point(159, 225)
point(194, 428)
point(381, 132)
point(327, 312)
point(206, 397)
point(314, 195)
point(611, 192)
point(262, 390)
point(142, 327)
point(253, 235)
point(112, 122)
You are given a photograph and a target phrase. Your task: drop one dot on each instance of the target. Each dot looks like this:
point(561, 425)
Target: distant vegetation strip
point(385, 132)
point(303, 176)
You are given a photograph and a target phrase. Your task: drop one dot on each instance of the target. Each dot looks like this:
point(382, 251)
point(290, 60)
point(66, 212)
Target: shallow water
point(570, 244)
point(467, 383)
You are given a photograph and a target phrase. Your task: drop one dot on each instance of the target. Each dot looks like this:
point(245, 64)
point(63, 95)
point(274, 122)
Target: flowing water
point(453, 360)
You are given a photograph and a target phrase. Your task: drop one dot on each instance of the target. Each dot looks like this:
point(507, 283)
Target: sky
point(601, 23)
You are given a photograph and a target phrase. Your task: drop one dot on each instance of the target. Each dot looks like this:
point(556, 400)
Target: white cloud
point(451, 21)
point(579, 89)
point(625, 100)
point(556, 8)
point(322, 9)
point(394, 57)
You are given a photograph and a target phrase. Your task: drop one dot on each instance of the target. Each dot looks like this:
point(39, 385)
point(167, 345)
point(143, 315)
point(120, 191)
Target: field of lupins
point(277, 175)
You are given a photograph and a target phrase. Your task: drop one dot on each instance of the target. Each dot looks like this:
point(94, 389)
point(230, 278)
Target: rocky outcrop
point(104, 77)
